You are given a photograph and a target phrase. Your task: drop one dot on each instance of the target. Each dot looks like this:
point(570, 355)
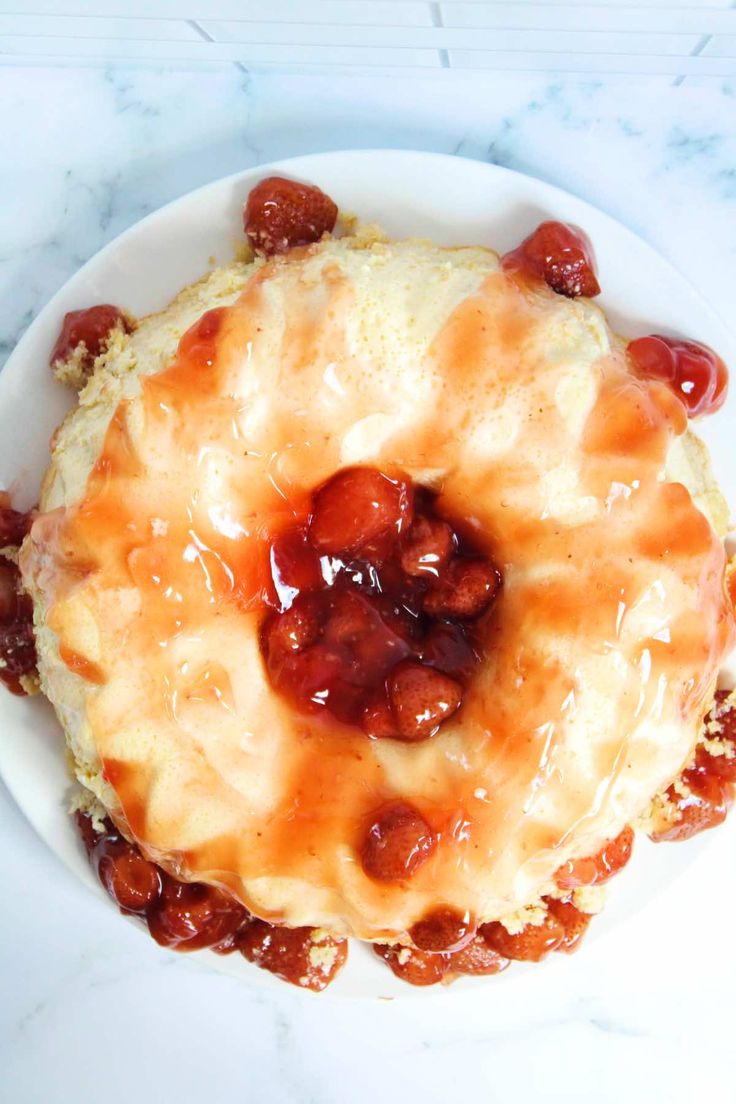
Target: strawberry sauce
point(17, 642)
point(191, 916)
point(368, 609)
point(693, 371)
point(561, 255)
point(378, 601)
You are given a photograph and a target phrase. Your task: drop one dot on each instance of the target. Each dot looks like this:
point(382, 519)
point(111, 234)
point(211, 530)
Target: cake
point(380, 590)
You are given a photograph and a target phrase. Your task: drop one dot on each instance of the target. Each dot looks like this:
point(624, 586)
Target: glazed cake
point(380, 590)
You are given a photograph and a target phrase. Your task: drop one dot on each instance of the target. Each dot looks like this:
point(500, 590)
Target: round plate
point(453, 202)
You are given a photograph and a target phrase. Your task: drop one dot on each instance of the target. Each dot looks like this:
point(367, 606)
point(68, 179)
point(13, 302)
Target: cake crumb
point(71, 371)
point(718, 748)
point(589, 899)
point(75, 370)
point(367, 235)
point(83, 801)
point(322, 957)
point(661, 815)
point(30, 683)
point(320, 935)
point(680, 788)
point(347, 223)
point(515, 922)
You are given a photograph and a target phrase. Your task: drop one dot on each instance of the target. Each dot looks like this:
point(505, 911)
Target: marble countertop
point(89, 1005)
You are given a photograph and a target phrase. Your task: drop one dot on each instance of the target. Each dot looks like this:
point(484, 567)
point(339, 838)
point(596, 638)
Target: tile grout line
point(199, 29)
point(695, 52)
point(435, 12)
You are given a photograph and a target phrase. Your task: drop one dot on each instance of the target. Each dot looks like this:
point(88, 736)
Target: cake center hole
point(380, 601)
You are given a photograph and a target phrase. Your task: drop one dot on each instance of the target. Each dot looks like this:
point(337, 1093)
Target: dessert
point(381, 592)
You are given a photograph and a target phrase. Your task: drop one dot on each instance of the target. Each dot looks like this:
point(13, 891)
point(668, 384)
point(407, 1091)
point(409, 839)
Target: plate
point(450, 200)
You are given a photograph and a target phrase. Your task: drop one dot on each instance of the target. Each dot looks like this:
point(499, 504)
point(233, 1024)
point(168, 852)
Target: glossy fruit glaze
point(397, 838)
point(377, 599)
point(447, 944)
point(90, 327)
point(490, 949)
point(693, 371)
point(281, 213)
point(703, 794)
point(190, 916)
point(559, 254)
point(17, 643)
point(600, 867)
point(360, 591)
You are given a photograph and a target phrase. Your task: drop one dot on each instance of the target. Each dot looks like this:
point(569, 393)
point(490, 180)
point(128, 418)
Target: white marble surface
point(90, 1006)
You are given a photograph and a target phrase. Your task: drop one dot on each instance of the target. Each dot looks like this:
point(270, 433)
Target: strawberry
point(573, 921)
point(427, 547)
point(465, 589)
point(398, 841)
point(307, 957)
point(559, 254)
point(443, 929)
point(355, 508)
point(422, 698)
point(531, 944)
point(281, 213)
point(413, 966)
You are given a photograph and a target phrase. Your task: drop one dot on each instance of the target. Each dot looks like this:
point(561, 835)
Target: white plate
point(454, 202)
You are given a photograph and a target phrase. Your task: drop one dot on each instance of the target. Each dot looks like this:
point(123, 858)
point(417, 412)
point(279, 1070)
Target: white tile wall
point(296, 11)
point(721, 46)
point(686, 16)
point(679, 38)
point(36, 27)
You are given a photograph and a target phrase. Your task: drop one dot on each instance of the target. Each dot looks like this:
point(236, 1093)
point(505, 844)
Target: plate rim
point(301, 165)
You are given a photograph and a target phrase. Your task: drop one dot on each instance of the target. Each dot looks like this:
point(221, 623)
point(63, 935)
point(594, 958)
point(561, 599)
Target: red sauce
point(597, 869)
point(377, 598)
point(294, 954)
point(189, 916)
point(531, 944)
point(706, 789)
point(476, 959)
point(90, 327)
point(724, 715)
point(17, 642)
point(80, 665)
point(397, 842)
point(487, 952)
point(421, 967)
point(703, 804)
point(694, 372)
point(226, 462)
point(413, 966)
point(443, 929)
point(13, 523)
point(574, 922)
point(559, 254)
